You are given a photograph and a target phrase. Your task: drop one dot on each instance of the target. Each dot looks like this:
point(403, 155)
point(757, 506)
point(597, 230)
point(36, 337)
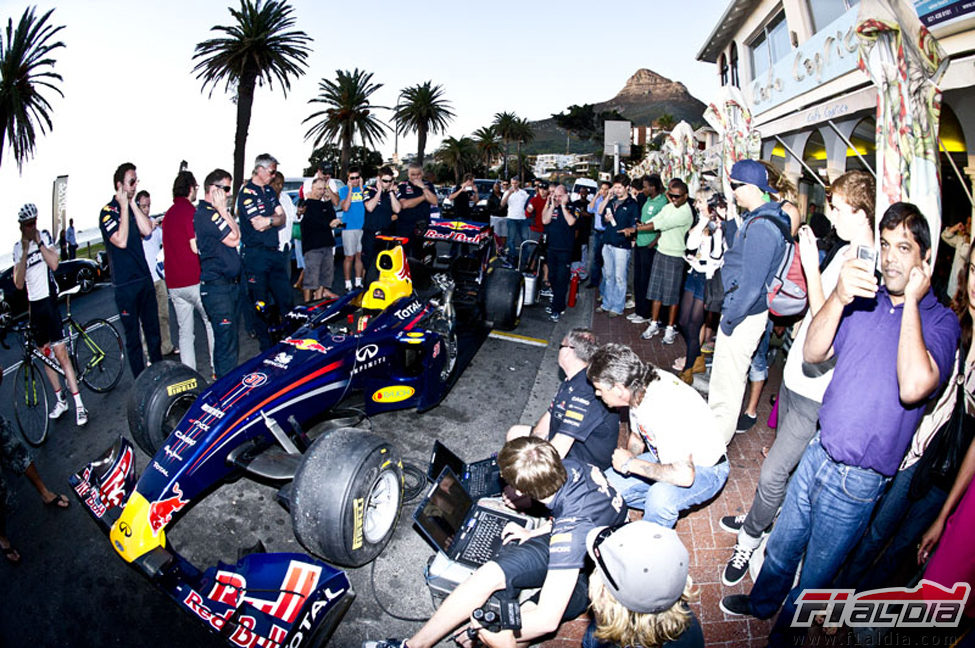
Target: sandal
point(12, 555)
point(58, 502)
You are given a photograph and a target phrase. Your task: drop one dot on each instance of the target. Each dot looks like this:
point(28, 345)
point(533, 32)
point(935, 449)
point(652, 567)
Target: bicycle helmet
point(27, 213)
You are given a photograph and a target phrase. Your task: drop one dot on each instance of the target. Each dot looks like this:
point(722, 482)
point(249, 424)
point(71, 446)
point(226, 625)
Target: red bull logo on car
point(306, 344)
point(161, 512)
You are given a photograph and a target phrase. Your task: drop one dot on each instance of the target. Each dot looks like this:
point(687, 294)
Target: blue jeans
point(220, 303)
point(596, 267)
point(663, 502)
point(616, 263)
point(265, 276)
point(898, 516)
point(758, 371)
point(827, 507)
point(517, 234)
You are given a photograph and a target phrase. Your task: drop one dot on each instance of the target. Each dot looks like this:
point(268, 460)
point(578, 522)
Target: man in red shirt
point(533, 212)
point(183, 266)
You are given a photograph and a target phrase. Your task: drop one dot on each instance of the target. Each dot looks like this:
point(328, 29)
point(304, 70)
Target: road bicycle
point(95, 349)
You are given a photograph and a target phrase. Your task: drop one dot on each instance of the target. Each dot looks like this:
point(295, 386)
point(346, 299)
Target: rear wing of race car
point(265, 599)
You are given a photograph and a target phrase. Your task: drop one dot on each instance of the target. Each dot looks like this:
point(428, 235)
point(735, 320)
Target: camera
point(712, 226)
point(867, 253)
point(507, 616)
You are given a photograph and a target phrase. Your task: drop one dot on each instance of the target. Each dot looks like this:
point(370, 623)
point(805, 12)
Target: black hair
point(913, 220)
point(183, 184)
point(214, 177)
point(120, 172)
point(621, 178)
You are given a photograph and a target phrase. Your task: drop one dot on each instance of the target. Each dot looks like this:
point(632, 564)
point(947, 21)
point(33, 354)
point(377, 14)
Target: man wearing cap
point(641, 577)
point(577, 423)
point(123, 225)
point(260, 216)
point(552, 557)
point(34, 264)
point(748, 268)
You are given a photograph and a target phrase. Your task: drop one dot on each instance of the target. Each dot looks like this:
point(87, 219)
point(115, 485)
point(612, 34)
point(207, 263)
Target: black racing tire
point(157, 401)
point(346, 497)
point(504, 298)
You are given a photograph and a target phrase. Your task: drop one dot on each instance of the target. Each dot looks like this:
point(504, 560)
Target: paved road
point(73, 590)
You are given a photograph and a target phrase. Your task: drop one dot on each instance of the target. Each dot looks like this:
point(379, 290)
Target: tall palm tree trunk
point(245, 106)
point(347, 135)
point(421, 144)
point(506, 159)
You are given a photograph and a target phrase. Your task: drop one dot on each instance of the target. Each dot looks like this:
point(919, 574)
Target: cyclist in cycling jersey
point(34, 263)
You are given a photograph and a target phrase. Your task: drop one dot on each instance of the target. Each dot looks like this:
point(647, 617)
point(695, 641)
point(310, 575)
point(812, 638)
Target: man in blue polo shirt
point(217, 236)
point(260, 217)
point(123, 225)
point(894, 346)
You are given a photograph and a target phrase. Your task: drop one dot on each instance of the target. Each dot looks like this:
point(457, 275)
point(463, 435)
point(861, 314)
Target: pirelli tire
point(347, 496)
point(157, 401)
point(504, 298)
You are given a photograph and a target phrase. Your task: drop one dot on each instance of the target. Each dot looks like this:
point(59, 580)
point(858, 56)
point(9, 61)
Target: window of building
point(824, 12)
point(734, 65)
point(770, 45)
point(723, 69)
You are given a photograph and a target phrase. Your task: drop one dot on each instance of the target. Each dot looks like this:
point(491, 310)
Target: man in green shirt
point(646, 244)
point(667, 274)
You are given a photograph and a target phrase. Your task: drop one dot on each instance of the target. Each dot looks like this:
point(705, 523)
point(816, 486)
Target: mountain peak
point(647, 83)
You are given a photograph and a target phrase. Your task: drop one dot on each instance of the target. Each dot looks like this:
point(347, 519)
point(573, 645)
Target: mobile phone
point(867, 253)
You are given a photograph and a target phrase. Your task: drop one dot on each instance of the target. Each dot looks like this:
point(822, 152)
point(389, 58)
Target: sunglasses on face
point(675, 196)
point(735, 184)
point(386, 180)
point(353, 177)
point(600, 538)
point(224, 187)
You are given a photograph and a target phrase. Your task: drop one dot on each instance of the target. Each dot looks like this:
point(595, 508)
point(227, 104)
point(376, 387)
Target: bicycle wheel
point(30, 403)
point(98, 355)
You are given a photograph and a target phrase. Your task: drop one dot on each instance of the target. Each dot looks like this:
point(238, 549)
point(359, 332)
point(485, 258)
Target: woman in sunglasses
point(640, 589)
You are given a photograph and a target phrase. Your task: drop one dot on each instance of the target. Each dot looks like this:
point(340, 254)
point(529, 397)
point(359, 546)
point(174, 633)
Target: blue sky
point(130, 94)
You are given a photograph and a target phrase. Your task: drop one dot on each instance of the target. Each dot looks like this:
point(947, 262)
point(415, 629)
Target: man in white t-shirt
point(151, 247)
point(514, 200)
point(35, 260)
point(675, 457)
point(851, 209)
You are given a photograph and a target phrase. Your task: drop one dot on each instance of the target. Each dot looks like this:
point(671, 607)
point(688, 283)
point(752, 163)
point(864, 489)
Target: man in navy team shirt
point(382, 212)
point(123, 225)
point(415, 198)
point(559, 218)
point(217, 236)
point(260, 217)
point(894, 346)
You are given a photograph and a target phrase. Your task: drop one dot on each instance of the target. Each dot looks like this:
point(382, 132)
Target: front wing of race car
point(265, 599)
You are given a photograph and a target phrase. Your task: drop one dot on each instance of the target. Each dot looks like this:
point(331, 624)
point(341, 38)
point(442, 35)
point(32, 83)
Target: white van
point(591, 185)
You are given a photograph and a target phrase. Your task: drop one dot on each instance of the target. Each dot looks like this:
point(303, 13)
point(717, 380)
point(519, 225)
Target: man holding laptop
point(551, 557)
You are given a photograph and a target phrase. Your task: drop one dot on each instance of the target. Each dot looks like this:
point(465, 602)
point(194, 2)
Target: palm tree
point(347, 112)
point(422, 109)
point(257, 49)
point(460, 154)
point(505, 124)
point(522, 133)
point(488, 145)
point(25, 69)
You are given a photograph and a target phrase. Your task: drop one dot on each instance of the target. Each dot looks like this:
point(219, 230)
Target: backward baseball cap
point(751, 172)
point(648, 562)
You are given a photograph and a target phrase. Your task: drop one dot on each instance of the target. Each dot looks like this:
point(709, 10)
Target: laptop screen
point(444, 510)
point(441, 458)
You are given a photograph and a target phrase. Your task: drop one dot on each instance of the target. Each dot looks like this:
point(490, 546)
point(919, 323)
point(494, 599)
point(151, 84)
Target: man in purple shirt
point(894, 346)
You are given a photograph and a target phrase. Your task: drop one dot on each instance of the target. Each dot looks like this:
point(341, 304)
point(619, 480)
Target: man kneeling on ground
point(551, 557)
point(685, 462)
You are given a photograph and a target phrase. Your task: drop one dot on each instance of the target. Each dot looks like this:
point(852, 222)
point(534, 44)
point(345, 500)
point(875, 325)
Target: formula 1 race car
point(279, 418)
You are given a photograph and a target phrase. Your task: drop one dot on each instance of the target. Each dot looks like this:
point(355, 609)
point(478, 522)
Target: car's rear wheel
point(347, 496)
point(504, 298)
point(159, 398)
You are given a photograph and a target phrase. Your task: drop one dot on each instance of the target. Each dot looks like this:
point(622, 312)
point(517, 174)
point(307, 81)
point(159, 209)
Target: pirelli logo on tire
point(358, 512)
point(180, 387)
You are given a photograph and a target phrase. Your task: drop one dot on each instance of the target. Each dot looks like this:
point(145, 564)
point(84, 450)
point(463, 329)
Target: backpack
point(786, 292)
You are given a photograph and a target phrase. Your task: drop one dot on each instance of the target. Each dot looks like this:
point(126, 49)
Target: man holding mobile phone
point(217, 236)
point(354, 213)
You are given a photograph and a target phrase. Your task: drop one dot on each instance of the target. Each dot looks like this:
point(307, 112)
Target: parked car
point(591, 185)
point(70, 273)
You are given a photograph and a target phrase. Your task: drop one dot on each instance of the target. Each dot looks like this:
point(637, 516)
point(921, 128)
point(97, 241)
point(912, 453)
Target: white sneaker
point(636, 319)
point(670, 334)
point(81, 416)
point(651, 330)
point(630, 304)
point(59, 408)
